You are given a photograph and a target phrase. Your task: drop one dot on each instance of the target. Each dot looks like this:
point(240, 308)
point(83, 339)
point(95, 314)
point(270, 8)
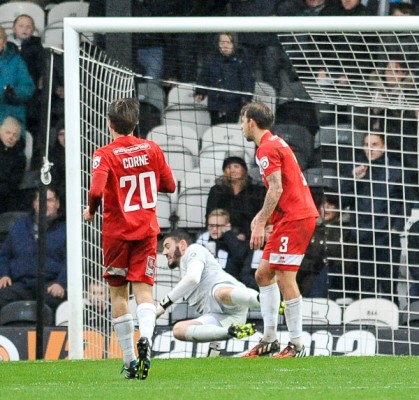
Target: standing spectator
point(58, 92)
point(228, 249)
point(57, 157)
point(150, 46)
point(373, 190)
point(289, 206)
point(262, 49)
point(222, 301)
point(235, 193)
point(16, 85)
point(226, 69)
point(12, 163)
point(19, 256)
point(185, 51)
point(32, 51)
point(128, 173)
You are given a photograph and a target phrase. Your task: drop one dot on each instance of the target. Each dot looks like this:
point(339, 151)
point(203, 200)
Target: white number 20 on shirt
point(142, 182)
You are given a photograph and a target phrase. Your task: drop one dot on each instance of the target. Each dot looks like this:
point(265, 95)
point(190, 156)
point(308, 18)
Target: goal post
point(78, 140)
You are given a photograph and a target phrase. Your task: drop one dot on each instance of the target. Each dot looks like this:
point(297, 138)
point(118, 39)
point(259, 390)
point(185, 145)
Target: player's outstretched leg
point(144, 357)
point(262, 349)
point(290, 352)
point(241, 331)
point(131, 372)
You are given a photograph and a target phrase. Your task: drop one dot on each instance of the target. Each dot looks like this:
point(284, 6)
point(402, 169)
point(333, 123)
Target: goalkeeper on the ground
point(221, 300)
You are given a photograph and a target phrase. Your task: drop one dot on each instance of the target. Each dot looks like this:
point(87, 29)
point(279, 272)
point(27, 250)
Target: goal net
point(358, 81)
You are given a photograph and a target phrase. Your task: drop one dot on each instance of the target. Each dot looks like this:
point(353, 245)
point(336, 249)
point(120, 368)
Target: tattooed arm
point(272, 197)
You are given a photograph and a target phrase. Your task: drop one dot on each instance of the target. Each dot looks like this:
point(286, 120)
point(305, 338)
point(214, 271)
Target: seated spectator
point(413, 260)
point(97, 312)
point(251, 263)
point(32, 51)
point(401, 9)
point(393, 84)
point(16, 85)
point(223, 241)
point(329, 259)
point(344, 8)
point(57, 157)
point(311, 8)
point(235, 193)
point(226, 68)
point(336, 72)
point(378, 214)
point(12, 163)
point(19, 256)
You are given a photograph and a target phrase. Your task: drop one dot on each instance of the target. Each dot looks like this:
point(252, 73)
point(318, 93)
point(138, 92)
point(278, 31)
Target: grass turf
point(216, 378)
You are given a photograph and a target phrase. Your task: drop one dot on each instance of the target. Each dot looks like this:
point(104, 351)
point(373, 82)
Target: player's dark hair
point(124, 115)
point(179, 235)
point(260, 113)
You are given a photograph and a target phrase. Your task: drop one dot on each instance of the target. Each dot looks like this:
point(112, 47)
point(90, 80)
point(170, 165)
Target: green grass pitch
point(216, 378)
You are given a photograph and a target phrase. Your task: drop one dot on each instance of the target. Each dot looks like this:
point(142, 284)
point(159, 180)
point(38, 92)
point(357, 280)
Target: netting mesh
point(353, 68)
point(357, 83)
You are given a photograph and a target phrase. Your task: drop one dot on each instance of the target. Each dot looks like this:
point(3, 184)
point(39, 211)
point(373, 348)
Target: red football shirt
point(129, 172)
point(296, 201)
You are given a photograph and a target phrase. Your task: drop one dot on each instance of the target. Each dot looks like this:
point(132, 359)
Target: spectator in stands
point(413, 260)
point(329, 259)
point(373, 190)
point(16, 85)
point(235, 193)
point(344, 8)
point(311, 8)
point(333, 72)
point(12, 163)
point(228, 69)
point(401, 9)
point(184, 52)
point(58, 92)
point(97, 309)
point(19, 256)
point(224, 242)
point(262, 50)
point(251, 263)
point(393, 84)
point(57, 157)
point(150, 46)
point(32, 51)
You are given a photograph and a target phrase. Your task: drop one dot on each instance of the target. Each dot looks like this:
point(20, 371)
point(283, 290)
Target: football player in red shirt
point(128, 173)
point(289, 206)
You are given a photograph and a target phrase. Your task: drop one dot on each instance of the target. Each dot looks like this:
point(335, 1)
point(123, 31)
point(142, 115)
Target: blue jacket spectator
point(19, 257)
point(16, 85)
point(225, 69)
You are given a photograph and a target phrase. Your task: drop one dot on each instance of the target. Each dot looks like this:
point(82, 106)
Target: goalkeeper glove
point(162, 306)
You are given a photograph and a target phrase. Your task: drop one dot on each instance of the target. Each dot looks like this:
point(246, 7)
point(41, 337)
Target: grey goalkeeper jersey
point(200, 296)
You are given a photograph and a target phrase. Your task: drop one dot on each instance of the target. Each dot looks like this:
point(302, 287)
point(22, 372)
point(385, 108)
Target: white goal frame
point(73, 27)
